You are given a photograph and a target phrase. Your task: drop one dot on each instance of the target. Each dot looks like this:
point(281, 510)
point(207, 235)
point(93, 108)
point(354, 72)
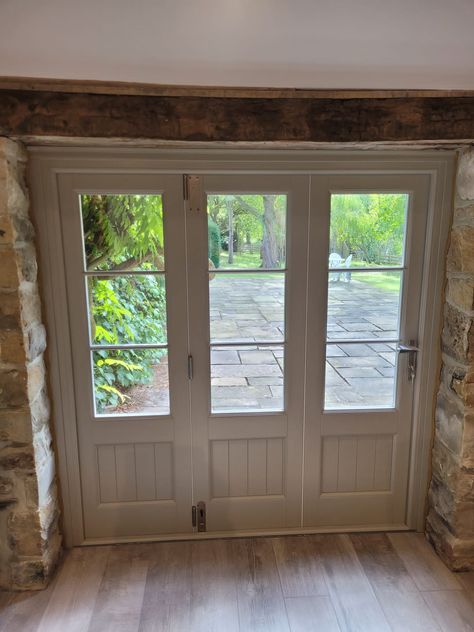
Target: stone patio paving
point(250, 309)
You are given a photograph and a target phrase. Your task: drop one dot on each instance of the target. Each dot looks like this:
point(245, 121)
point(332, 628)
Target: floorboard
point(320, 583)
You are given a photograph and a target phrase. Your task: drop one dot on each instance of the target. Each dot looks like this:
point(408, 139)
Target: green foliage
point(258, 225)
point(124, 232)
point(370, 225)
point(130, 309)
point(214, 242)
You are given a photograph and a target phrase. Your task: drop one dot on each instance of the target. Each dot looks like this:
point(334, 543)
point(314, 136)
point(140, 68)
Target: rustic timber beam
point(54, 113)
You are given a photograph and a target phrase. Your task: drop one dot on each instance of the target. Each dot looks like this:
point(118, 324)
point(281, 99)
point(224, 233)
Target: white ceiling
point(280, 43)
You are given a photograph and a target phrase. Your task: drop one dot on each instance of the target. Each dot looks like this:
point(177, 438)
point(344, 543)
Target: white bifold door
point(246, 345)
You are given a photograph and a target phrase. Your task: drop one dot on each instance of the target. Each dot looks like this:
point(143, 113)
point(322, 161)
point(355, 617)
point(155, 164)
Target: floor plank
point(167, 597)
point(453, 609)
point(402, 603)
point(371, 582)
point(259, 593)
point(299, 566)
point(120, 597)
point(355, 603)
point(72, 601)
point(467, 580)
point(425, 568)
point(214, 605)
point(311, 614)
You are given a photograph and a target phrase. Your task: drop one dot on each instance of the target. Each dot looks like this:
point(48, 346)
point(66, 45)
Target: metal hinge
point(192, 193)
point(412, 350)
point(199, 516)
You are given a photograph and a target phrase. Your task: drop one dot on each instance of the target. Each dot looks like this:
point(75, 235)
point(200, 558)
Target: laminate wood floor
point(324, 583)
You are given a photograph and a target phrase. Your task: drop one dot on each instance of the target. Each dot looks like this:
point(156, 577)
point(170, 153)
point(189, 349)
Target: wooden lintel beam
point(36, 113)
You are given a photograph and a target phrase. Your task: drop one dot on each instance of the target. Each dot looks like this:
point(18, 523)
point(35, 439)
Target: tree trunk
point(270, 258)
point(230, 215)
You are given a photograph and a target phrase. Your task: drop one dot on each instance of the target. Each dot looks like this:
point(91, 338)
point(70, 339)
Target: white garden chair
point(335, 261)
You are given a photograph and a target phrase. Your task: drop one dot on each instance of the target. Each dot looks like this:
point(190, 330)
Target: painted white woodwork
point(136, 478)
point(248, 484)
point(135, 468)
point(356, 463)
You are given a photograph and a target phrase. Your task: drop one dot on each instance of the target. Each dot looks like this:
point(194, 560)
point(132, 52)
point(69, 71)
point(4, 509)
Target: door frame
point(47, 162)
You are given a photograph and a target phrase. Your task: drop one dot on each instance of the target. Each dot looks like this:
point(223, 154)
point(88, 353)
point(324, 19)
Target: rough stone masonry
point(450, 523)
point(29, 508)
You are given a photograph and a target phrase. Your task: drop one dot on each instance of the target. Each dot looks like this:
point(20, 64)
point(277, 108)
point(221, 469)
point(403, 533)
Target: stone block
point(36, 377)
point(30, 307)
point(13, 390)
point(15, 426)
point(40, 410)
point(7, 235)
point(12, 346)
point(464, 214)
point(449, 420)
point(24, 534)
point(457, 554)
point(445, 464)
point(29, 574)
point(467, 452)
point(22, 228)
point(460, 293)
point(10, 310)
point(27, 264)
point(8, 269)
point(36, 341)
point(19, 459)
point(465, 175)
point(6, 487)
point(458, 334)
point(461, 250)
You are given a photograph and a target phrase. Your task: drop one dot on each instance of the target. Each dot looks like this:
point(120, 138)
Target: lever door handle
point(401, 348)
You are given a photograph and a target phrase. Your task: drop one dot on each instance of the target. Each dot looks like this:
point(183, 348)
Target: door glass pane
point(247, 378)
point(247, 230)
point(367, 229)
point(360, 375)
point(127, 309)
point(247, 307)
point(363, 304)
point(131, 381)
point(123, 232)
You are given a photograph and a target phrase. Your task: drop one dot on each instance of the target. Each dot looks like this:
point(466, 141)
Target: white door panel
point(135, 458)
point(276, 395)
point(248, 449)
point(359, 396)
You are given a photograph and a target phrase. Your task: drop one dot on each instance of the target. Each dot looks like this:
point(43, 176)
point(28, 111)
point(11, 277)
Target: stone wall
point(450, 523)
point(29, 508)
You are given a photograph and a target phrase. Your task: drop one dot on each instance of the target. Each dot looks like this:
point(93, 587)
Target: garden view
point(124, 256)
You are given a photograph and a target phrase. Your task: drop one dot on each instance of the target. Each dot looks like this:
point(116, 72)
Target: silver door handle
point(407, 348)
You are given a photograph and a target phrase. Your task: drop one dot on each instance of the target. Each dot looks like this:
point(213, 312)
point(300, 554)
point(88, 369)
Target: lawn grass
point(388, 281)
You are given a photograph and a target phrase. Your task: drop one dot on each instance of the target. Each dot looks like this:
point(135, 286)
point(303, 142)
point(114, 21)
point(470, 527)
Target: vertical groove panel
point(383, 463)
point(220, 468)
point(107, 478)
point(365, 463)
point(145, 471)
point(275, 466)
point(346, 481)
point(257, 466)
point(164, 471)
point(238, 467)
point(330, 464)
point(125, 472)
